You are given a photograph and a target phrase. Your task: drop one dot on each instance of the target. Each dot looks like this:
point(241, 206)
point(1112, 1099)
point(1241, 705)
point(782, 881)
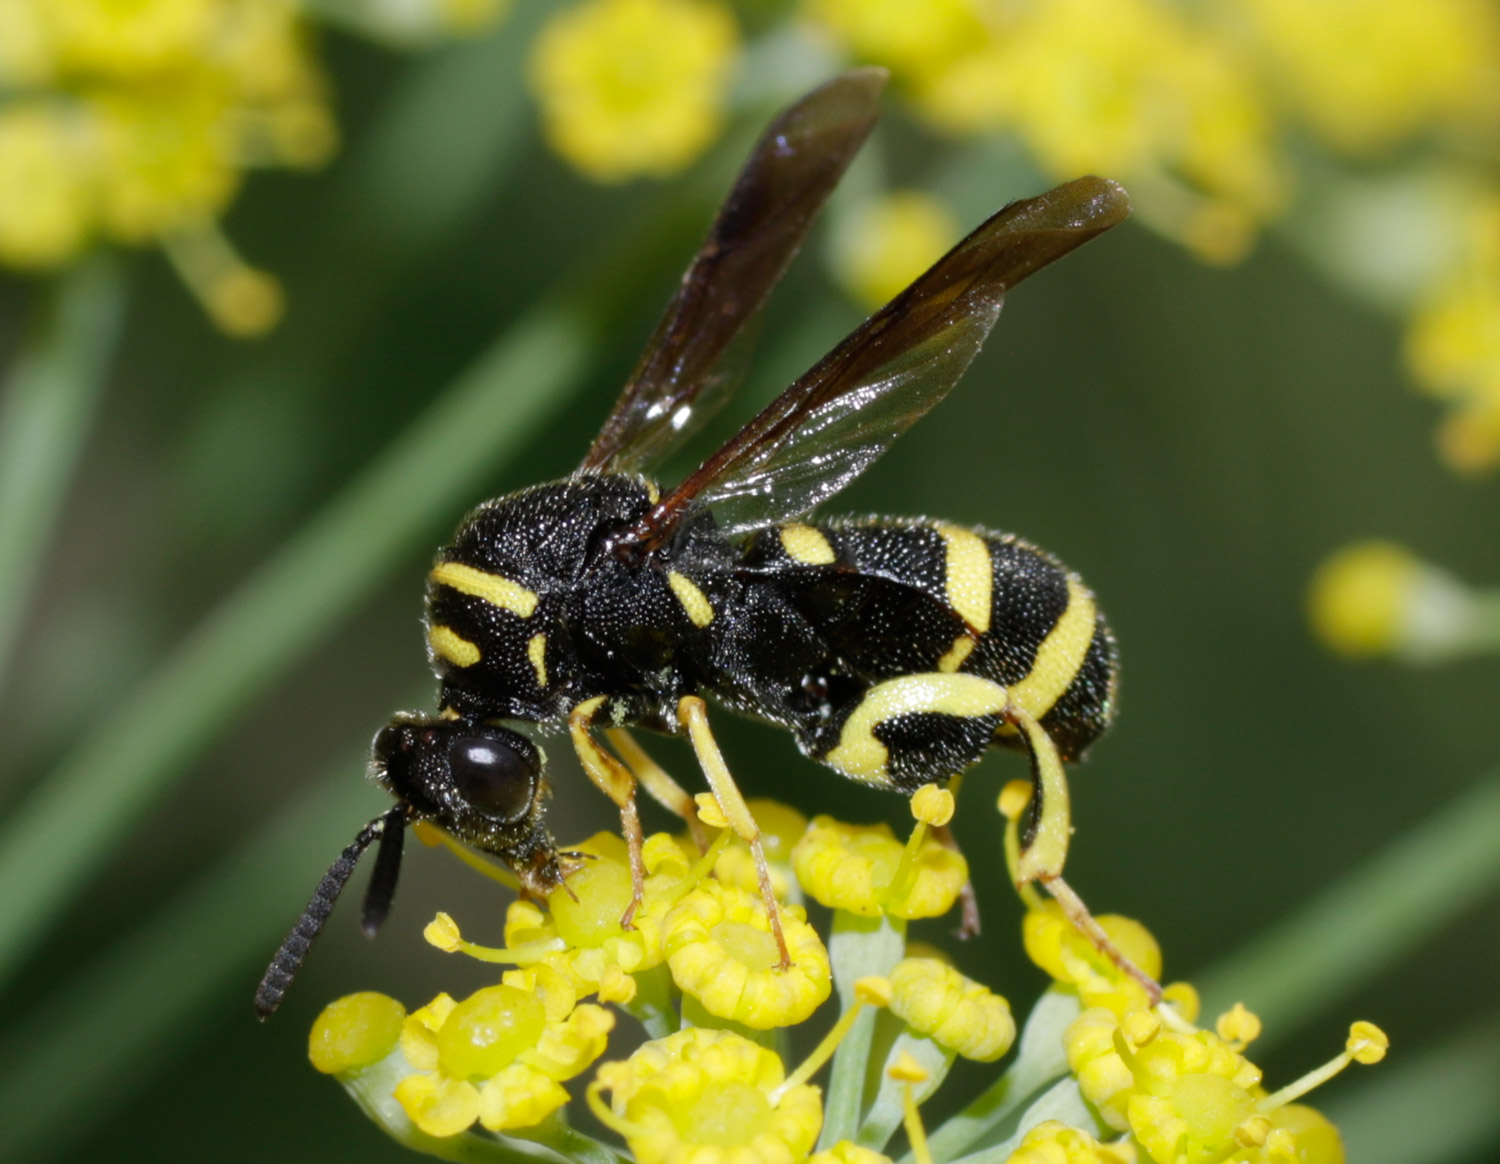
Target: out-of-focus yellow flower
point(138, 122)
point(856, 867)
point(912, 40)
point(1129, 88)
point(1360, 596)
point(45, 195)
point(1378, 598)
point(708, 1097)
point(935, 1000)
point(720, 950)
point(500, 1056)
point(881, 246)
point(634, 87)
point(1365, 76)
point(1453, 347)
point(1055, 944)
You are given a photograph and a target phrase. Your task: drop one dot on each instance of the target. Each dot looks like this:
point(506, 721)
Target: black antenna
point(382, 888)
point(293, 952)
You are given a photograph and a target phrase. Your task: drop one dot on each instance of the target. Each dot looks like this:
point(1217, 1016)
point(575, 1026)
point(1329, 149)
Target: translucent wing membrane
point(832, 424)
point(682, 377)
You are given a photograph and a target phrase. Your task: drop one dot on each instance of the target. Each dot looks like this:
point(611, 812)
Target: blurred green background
point(1192, 440)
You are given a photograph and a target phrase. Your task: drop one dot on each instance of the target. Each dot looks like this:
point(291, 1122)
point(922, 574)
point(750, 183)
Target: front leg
point(615, 781)
point(692, 712)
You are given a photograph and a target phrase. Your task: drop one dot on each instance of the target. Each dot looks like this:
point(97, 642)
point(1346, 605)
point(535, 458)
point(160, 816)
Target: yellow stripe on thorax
point(969, 576)
point(536, 651)
point(693, 600)
point(1060, 656)
point(491, 588)
point(807, 545)
point(860, 755)
point(450, 646)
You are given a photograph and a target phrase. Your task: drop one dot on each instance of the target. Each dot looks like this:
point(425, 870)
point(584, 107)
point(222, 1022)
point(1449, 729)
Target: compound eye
point(494, 778)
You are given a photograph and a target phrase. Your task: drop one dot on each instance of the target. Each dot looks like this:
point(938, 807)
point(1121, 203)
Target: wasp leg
point(1044, 844)
point(615, 781)
point(968, 926)
point(655, 779)
point(692, 712)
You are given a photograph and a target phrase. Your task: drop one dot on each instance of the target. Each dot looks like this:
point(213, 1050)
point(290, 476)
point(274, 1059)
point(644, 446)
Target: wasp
point(895, 651)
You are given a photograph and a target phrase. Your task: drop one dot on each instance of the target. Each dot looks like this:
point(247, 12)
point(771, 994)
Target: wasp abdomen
point(933, 630)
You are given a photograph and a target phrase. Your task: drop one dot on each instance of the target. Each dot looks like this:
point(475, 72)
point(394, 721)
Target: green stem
point(556, 1133)
point(857, 947)
point(46, 408)
point(1061, 1102)
point(1350, 932)
point(1039, 1059)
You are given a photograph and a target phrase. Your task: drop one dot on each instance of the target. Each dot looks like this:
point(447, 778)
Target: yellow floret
point(634, 87)
point(936, 1000)
point(720, 950)
point(1053, 1142)
point(438, 1104)
point(355, 1031)
point(853, 868)
point(1054, 944)
point(583, 917)
point(708, 1097)
point(781, 827)
point(519, 1096)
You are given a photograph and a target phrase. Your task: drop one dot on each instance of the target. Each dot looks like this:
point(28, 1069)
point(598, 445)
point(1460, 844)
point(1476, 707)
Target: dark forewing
point(830, 425)
point(760, 226)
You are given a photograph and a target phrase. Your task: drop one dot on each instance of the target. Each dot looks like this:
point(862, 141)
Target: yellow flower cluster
point(1180, 1093)
point(1130, 88)
point(134, 122)
point(1365, 76)
point(677, 1099)
point(699, 967)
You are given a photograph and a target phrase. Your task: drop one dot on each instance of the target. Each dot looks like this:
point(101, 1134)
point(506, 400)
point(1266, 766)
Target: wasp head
point(481, 783)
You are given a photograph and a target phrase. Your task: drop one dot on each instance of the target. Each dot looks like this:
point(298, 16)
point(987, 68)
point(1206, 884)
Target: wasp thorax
point(503, 599)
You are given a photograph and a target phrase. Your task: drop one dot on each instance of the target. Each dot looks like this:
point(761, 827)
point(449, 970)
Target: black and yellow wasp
point(895, 651)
